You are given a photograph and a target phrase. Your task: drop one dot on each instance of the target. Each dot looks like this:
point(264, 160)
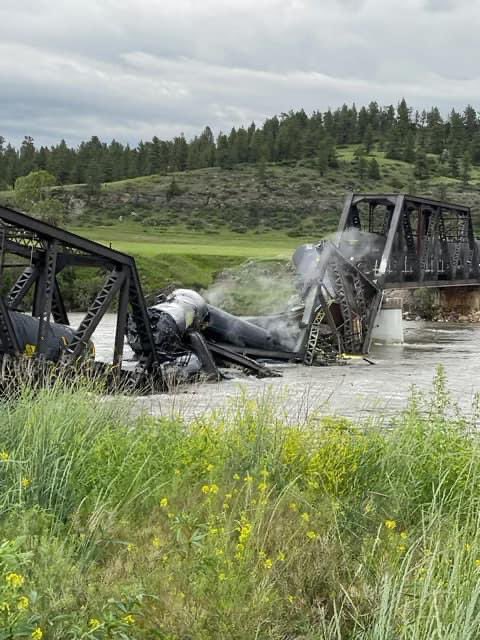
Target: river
point(358, 389)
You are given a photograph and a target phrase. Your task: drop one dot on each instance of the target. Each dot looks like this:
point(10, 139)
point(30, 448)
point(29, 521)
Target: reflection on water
point(357, 389)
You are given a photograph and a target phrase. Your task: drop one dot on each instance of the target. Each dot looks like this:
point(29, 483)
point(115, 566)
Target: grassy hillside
point(185, 227)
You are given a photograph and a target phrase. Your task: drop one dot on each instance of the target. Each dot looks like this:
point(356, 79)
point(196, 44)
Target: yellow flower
point(5, 607)
point(23, 603)
point(312, 535)
point(222, 577)
point(248, 479)
point(264, 473)
point(404, 535)
point(26, 482)
point(228, 496)
point(94, 623)
point(244, 532)
point(164, 503)
point(477, 562)
point(210, 488)
point(4, 456)
point(209, 467)
point(291, 599)
point(14, 579)
point(263, 486)
point(305, 517)
point(177, 472)
point(293, 506)
point(156, 542)
point(37, 634)
point(467, 547)
point(268, 563)
point(129, 619)
point(236, 476)
point(402, 548)
point(131, 547)
point(281, 556)
point(390, 524)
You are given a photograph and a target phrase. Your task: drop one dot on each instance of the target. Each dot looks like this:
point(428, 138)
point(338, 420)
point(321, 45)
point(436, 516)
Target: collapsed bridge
point(383, 242)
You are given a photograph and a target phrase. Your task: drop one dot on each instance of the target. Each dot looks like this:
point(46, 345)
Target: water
point(358, 389)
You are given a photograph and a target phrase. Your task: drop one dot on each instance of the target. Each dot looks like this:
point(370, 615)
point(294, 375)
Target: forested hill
point(399, 132)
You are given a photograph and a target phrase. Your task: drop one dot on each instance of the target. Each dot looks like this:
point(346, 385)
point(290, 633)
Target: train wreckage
point(383, 242)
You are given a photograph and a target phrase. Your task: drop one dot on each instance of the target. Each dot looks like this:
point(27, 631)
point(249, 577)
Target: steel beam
point(45, 289)
point(96, 311)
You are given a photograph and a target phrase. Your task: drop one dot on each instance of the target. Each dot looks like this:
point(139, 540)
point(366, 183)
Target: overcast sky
point(131, 69)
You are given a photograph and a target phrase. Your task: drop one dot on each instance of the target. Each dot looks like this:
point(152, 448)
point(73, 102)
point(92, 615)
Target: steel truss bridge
point(383, 242)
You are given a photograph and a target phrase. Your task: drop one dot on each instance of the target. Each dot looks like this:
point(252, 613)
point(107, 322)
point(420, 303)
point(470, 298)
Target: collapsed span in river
point(383, 242)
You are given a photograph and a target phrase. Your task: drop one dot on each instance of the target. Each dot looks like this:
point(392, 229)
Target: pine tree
point(421, 170)
point(368, 138)
point(466, 168)
point(374, 170)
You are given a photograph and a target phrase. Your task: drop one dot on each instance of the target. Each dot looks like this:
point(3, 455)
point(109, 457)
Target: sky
point(132, 69)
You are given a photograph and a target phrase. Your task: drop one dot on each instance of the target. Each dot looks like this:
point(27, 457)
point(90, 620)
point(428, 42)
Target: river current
point(357, 390)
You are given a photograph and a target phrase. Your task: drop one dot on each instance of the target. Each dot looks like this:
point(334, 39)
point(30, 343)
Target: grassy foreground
point(236, 527)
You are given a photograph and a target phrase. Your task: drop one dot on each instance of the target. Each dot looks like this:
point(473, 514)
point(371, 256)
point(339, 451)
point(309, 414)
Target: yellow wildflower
point(390, 524)
point(236, 476)
point(268, 563)
point(23, 603)
point(129, 619)
point(131, 547)
point(291, 599)
point(222, 577)
point(14, 579)
point(293, 506)
point(226, 506)
point(477, 563)
point(156, 542)
point(281, 556)
point(467, 547)
point(26, 482)
point(263, 486)
point(305, 517)
point(209, 467)
point(245, 531)
point(4, 456)
point(264, 473)
point(177, 472)
point(5, 607)
point(94, 623)
point(37, 634)
point(312, 535)
point(228, 496)
point(404, 535)
point(248, 479)
point(402, 548)
point(164, 503)
point(210, 488)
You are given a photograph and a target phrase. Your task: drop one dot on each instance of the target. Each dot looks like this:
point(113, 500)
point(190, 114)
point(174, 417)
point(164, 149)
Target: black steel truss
point(43, 251)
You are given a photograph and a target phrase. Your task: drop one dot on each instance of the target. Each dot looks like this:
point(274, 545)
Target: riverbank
point(238, 526)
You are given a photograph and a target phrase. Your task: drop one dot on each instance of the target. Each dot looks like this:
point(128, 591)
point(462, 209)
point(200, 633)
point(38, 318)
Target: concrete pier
point(388, 328)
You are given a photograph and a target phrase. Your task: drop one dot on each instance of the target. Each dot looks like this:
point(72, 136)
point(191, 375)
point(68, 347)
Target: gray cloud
point(130, 70)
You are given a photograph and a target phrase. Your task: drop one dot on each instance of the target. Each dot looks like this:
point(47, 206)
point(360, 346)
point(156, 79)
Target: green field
point(149, 243)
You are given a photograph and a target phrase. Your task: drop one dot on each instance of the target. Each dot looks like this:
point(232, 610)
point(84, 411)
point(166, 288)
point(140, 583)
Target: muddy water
point(358, 389)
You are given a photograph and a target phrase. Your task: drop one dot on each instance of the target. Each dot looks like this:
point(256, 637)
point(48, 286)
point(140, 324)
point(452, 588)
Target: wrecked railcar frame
point(383, 241)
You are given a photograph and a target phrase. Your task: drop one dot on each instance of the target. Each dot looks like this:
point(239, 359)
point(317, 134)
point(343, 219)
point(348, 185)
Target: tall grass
point(236, 526)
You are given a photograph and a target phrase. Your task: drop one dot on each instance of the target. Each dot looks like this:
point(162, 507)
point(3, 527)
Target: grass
point(132, 238)
point(236, 526)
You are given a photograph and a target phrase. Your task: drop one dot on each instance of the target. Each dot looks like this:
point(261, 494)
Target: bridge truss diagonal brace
point(46, 287)
point(22, 286)
point(96, 311)
point(397, 212)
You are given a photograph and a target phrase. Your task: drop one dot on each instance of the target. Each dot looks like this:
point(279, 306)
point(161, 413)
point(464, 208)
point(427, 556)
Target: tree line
point(404, 134)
